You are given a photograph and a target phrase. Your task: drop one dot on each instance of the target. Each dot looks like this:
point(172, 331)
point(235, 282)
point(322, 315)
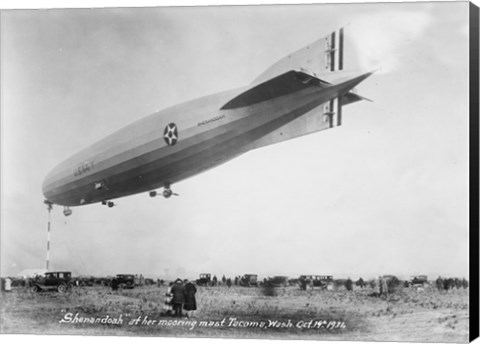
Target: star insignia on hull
point(170, 134)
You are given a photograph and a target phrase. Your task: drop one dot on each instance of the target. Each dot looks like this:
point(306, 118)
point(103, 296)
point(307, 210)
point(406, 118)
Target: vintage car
point(310, 281)
point(60, 281)
point(249, 280)
point(418, 281)
point(204, 279)
point(123, 281)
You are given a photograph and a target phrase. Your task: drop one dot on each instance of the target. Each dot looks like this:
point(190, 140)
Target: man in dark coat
point(190, 302)
point(114, 284)
point(178, 297)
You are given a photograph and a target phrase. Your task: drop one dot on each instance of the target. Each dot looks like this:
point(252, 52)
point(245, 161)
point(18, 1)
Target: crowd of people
point(180, 296)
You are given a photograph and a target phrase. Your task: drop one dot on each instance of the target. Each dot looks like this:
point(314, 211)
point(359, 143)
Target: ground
point(424, 315)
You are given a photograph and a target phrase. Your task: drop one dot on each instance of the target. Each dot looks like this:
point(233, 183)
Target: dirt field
point(409, 315)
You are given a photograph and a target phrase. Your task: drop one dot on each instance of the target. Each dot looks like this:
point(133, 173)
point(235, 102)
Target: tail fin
point(322, 56)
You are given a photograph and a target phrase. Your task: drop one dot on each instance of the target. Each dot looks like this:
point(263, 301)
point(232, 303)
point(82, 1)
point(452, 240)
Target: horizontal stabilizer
point(351, 97)
point(287, 83)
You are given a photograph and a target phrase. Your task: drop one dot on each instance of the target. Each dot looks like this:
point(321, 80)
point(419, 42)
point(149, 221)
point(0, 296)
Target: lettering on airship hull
point(84, 167)
point(216, 118)
point(170, 134)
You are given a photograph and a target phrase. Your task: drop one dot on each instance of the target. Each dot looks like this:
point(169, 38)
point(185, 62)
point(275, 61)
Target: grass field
point(408, 315)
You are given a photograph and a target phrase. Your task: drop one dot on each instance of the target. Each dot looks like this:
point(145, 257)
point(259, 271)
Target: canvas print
point(272, 172)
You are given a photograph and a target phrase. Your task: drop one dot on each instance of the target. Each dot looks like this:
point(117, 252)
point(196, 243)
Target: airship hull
point(187, 139)
point(154, 163)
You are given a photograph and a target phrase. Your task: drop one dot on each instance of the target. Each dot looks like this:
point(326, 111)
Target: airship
point(301, 94)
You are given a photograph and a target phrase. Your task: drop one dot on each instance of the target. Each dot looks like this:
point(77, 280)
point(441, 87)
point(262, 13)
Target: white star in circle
point(170, 134)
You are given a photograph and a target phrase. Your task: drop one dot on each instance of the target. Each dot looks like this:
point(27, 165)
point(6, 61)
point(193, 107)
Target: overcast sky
point(385, 193)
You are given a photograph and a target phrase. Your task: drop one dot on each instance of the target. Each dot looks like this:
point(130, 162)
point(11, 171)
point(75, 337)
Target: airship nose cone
point(57, 186)
point(47, 186)
point(50, 185)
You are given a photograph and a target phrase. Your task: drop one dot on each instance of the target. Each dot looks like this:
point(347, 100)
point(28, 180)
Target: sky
point(386, 193)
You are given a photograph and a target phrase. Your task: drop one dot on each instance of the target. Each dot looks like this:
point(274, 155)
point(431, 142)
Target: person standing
point(383, 286)
point(190, 301)
point(8, 284)
point(167, 303)
point(439, 283)
point(114, 284)
point(178, 297)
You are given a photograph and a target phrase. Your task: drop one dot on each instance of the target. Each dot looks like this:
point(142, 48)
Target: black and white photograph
point(287, 171)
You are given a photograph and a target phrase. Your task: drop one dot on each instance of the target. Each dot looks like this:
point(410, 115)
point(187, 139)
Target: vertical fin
point(323, 56)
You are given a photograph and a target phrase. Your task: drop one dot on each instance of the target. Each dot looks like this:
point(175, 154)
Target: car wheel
point(62, 288)
point(35, 289)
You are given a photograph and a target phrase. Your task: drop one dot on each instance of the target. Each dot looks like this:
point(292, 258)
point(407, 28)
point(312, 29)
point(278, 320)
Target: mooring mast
point(49, 208)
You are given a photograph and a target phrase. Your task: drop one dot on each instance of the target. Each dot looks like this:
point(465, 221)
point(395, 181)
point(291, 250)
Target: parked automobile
point(60, 281)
